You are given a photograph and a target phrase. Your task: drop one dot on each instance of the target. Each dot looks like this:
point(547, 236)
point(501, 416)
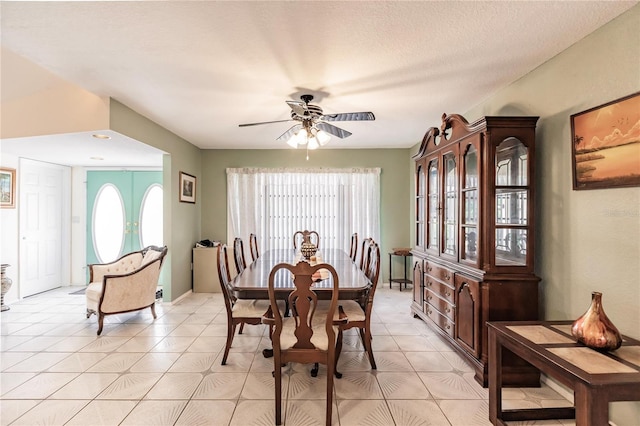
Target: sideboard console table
point(596, 378)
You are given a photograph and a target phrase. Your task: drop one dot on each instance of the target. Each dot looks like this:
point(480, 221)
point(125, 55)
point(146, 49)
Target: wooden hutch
point(474, 252)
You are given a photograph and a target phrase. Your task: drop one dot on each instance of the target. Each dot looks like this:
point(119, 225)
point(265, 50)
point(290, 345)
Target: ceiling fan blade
point(331, 129)
point(286, 135)
point(262, 122)
point(298, 107)
point(349, 116)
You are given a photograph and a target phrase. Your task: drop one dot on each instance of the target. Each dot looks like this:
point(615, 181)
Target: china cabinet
point(474, 227)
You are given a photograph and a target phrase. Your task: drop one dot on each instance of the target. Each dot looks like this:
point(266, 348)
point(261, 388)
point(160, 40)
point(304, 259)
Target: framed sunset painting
point(606, 145)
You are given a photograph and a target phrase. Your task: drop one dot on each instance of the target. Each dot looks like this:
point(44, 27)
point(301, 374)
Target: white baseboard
point(179, 298)
point(565, 392)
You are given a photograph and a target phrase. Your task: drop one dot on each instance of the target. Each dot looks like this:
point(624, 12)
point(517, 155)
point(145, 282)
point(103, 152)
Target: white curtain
point(275, 203)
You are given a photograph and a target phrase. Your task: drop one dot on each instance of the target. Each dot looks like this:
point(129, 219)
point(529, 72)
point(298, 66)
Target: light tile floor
point(56, 371)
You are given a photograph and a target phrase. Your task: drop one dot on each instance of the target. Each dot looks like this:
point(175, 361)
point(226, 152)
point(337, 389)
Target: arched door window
point(151, 217)
point(108, 223)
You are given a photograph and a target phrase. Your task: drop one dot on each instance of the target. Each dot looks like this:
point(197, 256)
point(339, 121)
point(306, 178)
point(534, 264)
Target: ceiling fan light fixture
point(292, 142)
point(299, 138)
point(323, 137)
point(313, 143)
point(314, 128)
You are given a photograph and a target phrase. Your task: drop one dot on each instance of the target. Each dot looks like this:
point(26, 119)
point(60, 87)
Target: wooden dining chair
point(238, 255)
point(239, 311)
point(300, 236)
point(306, 336)
point(353, 252)
point(253, 247)
point(359, 315)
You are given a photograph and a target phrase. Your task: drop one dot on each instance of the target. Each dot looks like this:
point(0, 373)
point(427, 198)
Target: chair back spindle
point(353, 251)
point(253, 247)
point(238, 255)
point(364, 255)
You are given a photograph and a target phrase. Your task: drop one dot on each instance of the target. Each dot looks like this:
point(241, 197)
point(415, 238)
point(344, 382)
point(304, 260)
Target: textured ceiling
point(201, 68)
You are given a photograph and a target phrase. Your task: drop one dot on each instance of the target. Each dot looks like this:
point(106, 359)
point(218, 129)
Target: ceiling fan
point(314, 128)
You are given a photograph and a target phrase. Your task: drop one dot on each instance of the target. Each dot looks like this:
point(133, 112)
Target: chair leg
point(337, 357)
point(153, 310)
point(231, 330)
point(100, 322)
point(369, 349)
point(330, 373)
point(241, 328)
point(278, 386)
point(314, 370)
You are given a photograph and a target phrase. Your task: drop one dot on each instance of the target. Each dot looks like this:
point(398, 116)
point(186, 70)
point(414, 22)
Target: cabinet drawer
point(439, 289)
point(441, 321)
point(441, 274)
point(444, 307)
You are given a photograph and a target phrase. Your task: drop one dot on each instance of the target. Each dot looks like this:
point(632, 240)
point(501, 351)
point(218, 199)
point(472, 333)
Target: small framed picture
point(7, 188)
point(605, 142)
point(187, 188)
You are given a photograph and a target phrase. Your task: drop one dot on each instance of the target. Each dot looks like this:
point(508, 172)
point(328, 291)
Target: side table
point(596, 378)
point(405, 254)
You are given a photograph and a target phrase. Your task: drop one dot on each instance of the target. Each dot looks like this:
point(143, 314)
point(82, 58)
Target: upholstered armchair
point(125, 285)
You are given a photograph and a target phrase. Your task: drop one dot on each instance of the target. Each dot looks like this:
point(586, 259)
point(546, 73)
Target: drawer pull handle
point(447, 277)
point(448, 310)
point(429, 268)
point(429, 283)
point(448, 326)
point(447, 294)
point(429, 297)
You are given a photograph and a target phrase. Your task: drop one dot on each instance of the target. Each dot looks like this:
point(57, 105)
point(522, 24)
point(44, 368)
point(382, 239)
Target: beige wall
point(394, 193)
point(36, 102)
point(587, 240)
point(181, 220)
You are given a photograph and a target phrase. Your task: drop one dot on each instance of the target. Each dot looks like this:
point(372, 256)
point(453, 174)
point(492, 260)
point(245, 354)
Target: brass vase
point(594, 329)
point(308, 249)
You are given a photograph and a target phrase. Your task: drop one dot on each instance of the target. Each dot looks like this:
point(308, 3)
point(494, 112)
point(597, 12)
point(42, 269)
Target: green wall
point(181, 220)
point(394, 192)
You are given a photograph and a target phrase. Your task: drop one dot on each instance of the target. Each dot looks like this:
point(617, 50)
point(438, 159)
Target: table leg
point(495, 378)
point(391, 273)
point(592, 406)
point(405, 274)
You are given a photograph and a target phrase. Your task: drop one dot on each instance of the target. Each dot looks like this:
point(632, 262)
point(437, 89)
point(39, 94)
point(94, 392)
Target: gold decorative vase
point(594, 329)
point(308, 249)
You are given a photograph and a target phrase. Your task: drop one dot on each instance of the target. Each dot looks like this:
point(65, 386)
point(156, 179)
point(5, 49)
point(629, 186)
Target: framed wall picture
point(7, 188)
point(606, 145)
point(187, 188)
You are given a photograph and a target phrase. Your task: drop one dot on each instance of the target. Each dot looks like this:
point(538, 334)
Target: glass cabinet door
point(512, 198)
point(421, 206)
point(470, 202)
point(433, 209)
point(450, 194)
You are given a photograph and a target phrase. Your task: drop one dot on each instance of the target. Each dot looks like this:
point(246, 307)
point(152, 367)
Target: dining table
point(253, 282)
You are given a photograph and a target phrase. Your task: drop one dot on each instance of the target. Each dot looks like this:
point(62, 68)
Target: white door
point(44, 248)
